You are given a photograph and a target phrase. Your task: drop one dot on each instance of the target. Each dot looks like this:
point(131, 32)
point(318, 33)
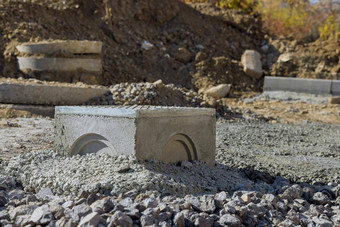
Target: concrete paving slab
point(44, 94)
point(314, 86)
point(59, 64)
point(167, 134)
point(62, 46)
point(335, 90)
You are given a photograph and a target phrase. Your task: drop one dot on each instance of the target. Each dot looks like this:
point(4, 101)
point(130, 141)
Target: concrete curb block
point(60, 64)
point(313, 86)
point(167, 134)
point(336, 87)
point(40, 94)
point(64, 46)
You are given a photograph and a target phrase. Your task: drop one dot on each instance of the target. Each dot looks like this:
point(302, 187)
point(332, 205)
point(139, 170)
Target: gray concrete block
point(314, 86)
point(42, 94)
point(59, 64)
point(167, 134)
point(62, 46)
point(335, 90)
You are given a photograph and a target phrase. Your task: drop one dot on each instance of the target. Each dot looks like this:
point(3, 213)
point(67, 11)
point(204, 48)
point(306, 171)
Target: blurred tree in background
point(294, 19)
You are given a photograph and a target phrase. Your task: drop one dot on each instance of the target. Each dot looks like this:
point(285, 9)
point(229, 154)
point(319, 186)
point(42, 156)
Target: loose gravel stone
point(81, 210)
point(42, 215)
point(4, 215)
point(230, 220)
point(179, 220)
point(120, 219)
point(44, 192)
point(91, 219)
point(320, 199)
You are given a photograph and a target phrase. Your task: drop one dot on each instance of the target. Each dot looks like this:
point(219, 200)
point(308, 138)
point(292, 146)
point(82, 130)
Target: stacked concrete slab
point(39, 98)
point(72, 55)
point(168, 134)
point(313, 86)
point(47, 94)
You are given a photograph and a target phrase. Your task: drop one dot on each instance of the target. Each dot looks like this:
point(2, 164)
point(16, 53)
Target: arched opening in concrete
point(92, 143)
point(179, 147)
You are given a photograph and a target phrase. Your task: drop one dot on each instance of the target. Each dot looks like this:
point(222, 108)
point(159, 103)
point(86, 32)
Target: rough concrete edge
point(68, 46)
point(173, 112)
point(85, 110)
point(335, 90)
point(59, 64)
point(267, 88)
point(99, 92)
point(134, 113)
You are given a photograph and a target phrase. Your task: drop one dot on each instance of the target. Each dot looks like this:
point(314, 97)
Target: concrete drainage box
point(168, 134)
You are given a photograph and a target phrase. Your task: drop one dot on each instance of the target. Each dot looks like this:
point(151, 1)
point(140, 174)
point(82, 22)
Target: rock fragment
point(183, 55)
point(42, 215)
point(320, 199)
point(92, 219)
point(44, 192)
point(230, 220)
point(120, 219)
point(251, 61)
point(179, 220)
point(219, 91)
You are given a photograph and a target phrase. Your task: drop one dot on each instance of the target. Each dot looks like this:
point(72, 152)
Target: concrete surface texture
point(251, 62)
point(335, 87)
point(64, 46)
point(314, 86)
point(59, 64)
point(167, 134)
point(43, 94)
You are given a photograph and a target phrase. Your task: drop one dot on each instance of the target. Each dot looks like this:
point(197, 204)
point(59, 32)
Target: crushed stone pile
point(281, 203)
point(115, 175)
point(160, 94)
point(147, 93)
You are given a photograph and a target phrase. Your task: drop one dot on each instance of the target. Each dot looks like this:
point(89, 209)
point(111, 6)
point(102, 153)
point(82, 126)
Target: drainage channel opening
point(92, 143)
point(179, 147)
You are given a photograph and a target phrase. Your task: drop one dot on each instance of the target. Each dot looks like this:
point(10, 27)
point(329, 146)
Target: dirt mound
point(319, 59)
point(143, 40)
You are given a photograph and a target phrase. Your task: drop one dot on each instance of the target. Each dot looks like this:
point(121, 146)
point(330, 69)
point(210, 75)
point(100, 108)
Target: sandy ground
point(21, 135)
point(286, 107)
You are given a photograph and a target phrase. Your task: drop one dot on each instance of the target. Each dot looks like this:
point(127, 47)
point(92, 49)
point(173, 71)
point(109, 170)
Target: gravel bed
point(23, 135)
point(279, 204)
point(289, 96)
point(307, 152)
point(114, 175)
point(243, 189)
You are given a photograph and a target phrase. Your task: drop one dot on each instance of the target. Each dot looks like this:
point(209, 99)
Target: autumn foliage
point(296, 19)
point(299, 19)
